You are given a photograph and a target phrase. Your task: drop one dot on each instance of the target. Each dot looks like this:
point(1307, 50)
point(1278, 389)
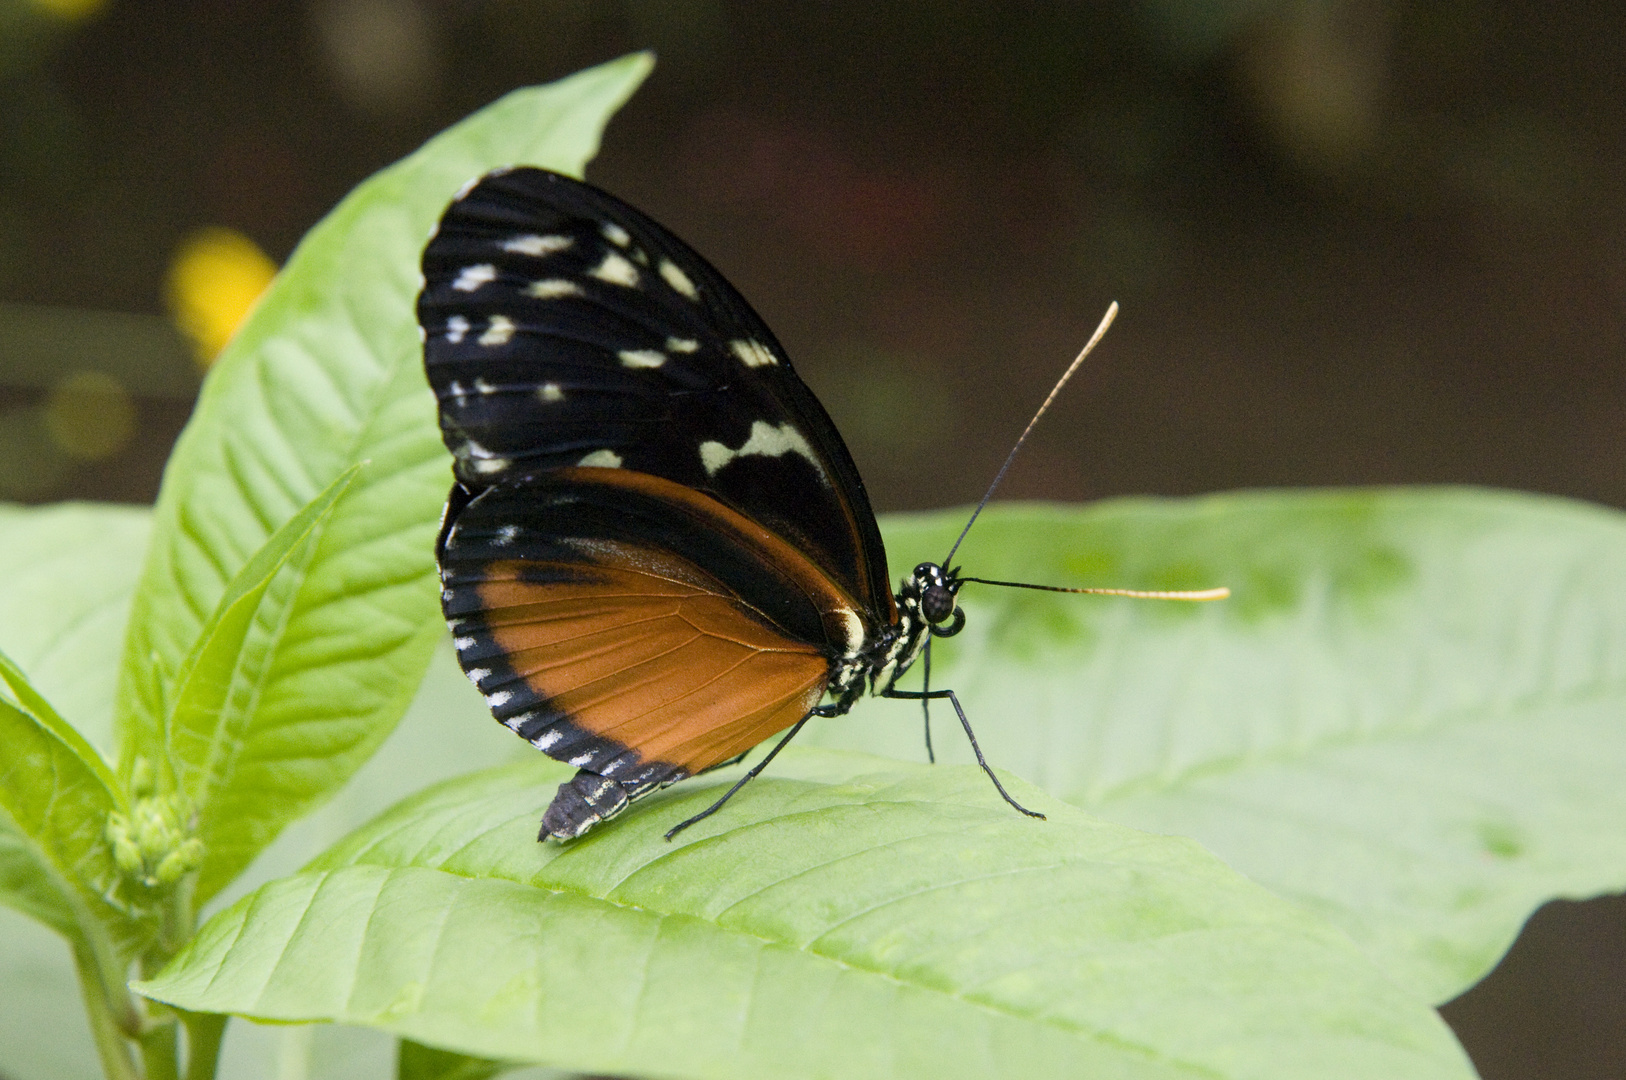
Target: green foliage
point(1407, 718)
point(327, 372)
point(57, 794)
point(850, 916)
point(1401, 730)
point(277, 631)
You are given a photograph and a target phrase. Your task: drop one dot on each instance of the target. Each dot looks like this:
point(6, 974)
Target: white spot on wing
point(550, 391)
point(642, 358)
point(463, 643)
point(483, 460)
point(552, 289)
point(601, 459)
point(471, 278)
point(498, 698)
point(615, 234)
point(616, 270)
point(752, 353)
point(456, 327)
point(682, 344)
point(506, 535)
point(476, 674)
point(766, 441)
point(581, 759)
point(484, 387)
point(547, 739)
point(498, 333)
point(676, 278)
point(537, 246)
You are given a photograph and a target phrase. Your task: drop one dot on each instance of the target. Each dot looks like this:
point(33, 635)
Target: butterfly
point(657, 551)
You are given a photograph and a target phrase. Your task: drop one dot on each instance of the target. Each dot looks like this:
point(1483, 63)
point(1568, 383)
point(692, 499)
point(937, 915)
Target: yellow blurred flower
point(214, 280)
point(71, 10)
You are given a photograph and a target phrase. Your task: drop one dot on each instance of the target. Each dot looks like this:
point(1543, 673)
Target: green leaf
point(66, 575)
point(28, 884)
point(849, 916)
point(1408, 718)
point(327, 372)
point(217, 741)
point(56, 794)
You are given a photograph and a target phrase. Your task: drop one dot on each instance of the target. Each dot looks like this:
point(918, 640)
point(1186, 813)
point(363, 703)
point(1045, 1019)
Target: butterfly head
point(933, 591)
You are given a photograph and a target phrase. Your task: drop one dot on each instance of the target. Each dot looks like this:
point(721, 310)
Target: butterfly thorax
point(925, 602)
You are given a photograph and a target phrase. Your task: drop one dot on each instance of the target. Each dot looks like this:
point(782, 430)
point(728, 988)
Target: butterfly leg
point(969, 734)
point(926, 701)
point(742, 781)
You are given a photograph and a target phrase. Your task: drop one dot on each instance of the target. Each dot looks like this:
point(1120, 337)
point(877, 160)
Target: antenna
point(1095, 338)
point(1140, 594)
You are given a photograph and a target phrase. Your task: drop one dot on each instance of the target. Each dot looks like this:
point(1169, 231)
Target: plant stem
point(158, 1052)
point(203, 1034)
point(117, 1061)
point(160, 1040)
point(177, 921)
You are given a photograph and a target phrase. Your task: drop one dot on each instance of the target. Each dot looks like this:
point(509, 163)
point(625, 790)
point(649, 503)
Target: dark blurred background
point(1356, 242)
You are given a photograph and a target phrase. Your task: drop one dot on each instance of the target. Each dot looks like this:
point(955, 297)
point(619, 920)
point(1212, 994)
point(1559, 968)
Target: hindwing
point(632, 627)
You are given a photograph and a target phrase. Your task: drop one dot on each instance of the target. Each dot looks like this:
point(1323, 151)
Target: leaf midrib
point(811, 949)
point(375, 398)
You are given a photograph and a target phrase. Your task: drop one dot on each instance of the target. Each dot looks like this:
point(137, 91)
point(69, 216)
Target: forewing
point(562, 328)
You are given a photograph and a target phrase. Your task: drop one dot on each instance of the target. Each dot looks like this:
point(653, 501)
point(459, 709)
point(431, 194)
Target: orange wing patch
point(653, 658)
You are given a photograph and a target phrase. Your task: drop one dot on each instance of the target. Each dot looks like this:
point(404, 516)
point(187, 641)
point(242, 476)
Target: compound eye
point(937, 604)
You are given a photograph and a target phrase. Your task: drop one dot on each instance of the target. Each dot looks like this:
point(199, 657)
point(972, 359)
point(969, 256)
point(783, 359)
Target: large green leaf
point(327, 373)
point(850, 916)
point(233, 770)
point(56, 794)
point(1411, 717)
point(66, 575)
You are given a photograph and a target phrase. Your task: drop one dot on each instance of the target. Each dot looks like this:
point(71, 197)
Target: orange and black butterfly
point(657, 552)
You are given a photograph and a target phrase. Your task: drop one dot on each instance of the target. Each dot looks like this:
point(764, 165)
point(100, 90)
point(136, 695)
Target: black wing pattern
point(564, 328)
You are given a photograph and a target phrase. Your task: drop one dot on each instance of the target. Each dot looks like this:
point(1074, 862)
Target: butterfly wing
point(564, 328)
point(634, 628)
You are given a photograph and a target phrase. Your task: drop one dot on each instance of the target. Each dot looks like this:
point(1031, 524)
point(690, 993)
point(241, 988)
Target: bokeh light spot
point(90, 416)
point(70, 10)
point(214, 280)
